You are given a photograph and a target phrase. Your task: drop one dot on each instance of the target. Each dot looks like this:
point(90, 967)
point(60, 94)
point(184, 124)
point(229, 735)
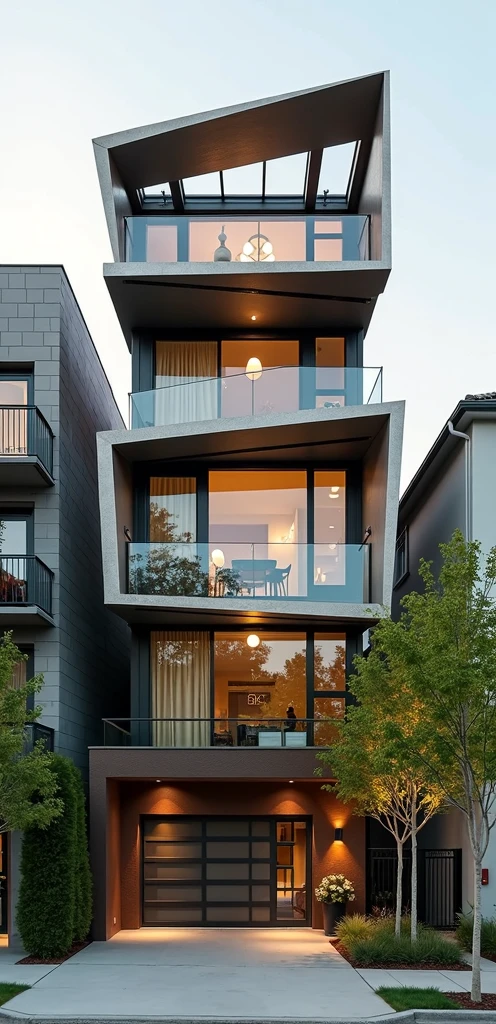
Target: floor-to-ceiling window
point(13, 414)
point(185, 382)
point(180, 688)
point(258, 520)
point(260, 688)
point(260, 376)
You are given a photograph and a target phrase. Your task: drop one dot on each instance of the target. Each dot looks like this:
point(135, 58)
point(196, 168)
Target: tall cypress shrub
point(83, 882)
point(45, 910)
point(54, 907)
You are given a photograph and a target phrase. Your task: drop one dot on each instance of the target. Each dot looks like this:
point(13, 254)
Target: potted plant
point(334, 892)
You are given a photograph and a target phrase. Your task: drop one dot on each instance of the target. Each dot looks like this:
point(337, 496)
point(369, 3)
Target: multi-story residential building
point(54, 397)
point(249, 514)
point(453, 489)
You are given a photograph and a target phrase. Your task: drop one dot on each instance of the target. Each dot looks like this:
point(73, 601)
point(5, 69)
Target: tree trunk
point(399, 889)
point(476, 938)
point(413, 910)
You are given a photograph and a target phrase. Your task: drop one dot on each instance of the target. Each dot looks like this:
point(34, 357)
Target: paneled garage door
point(225, 871)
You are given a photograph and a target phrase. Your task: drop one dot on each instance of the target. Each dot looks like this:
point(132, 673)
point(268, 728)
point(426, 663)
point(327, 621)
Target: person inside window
point(291, 719)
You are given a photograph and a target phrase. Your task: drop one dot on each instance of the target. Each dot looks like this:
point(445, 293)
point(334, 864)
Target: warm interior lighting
point(253, 368)
point(290, 781)
point(334, 492)
point(253, 640)
point(254, 318)
point(158, 780)
point(258, 249)
point(218, 558)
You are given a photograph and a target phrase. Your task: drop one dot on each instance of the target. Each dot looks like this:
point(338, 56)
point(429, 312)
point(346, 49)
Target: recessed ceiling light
point(291, 781)
point(254, 318)
point(331, 527)
point(158, 780)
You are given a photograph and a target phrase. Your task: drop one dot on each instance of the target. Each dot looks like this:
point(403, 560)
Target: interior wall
point(242, 798)
point(375, 478)
point(123, 486)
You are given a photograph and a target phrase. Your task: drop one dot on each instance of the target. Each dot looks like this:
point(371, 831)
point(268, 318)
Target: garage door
point(225, 871)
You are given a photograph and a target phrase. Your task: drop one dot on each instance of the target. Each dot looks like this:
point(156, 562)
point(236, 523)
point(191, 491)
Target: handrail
point(265, 370)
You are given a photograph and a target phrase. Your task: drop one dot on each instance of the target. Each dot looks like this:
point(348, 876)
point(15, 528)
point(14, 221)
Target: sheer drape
point(172, 508)
point(180, 362)
point(180, 687)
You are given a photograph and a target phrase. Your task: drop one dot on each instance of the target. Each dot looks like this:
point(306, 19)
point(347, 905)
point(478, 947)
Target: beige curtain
point(177, 496)
point(180, 687)
point(18, 677)
point(186, 381)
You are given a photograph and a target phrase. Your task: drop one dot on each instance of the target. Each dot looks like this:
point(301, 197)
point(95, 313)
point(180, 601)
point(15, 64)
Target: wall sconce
point(338, 835)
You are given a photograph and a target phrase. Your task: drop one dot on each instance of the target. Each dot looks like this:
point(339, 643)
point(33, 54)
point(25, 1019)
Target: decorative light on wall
point(338, 835)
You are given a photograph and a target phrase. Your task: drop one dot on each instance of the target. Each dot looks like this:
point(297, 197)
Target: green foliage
point(83, 907)
point(384, 947)
point(27, 785)
point(54, 907)
point(464, 932)
point(353, 928)
point(416, 998)
point(8, 990)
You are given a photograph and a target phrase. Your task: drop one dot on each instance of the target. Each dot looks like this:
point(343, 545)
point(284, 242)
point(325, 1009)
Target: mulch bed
point(55, 959)
point(463, 999)
point(387, 965)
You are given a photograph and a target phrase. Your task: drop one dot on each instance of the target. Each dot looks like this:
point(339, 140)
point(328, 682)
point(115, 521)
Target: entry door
point(225, 871)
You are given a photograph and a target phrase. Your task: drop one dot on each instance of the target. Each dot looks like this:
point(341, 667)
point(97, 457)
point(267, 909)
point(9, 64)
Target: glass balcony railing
point(275, 389)
point(248, 240)
point(259, 571)
point(25, 431)
point(261, 732)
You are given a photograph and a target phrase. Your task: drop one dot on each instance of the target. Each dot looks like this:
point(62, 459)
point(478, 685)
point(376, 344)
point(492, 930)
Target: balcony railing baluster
point(25, 580)
point(24, 431)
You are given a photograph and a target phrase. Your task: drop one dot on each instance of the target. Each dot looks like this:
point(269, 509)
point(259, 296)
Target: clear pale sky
point(71, 71)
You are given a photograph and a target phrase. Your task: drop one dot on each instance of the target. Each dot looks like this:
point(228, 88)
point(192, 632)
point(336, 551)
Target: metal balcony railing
point(25, 580)
point(260, 733)
point(36, 732)
point(24, 431)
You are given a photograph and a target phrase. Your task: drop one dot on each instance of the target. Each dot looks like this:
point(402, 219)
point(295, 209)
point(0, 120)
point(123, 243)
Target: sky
point(73, 71)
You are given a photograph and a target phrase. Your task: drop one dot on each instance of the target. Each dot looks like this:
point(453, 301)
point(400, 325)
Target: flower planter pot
point(333, 912)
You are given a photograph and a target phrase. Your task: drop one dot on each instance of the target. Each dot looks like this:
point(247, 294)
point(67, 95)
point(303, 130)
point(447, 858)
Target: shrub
point(83, 882)
point(351, 929)
point(54, 905)
point(465, 929)
point(383, 947)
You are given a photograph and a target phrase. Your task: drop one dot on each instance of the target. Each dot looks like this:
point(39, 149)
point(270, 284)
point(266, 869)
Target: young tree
point(443, 649)
point(376, 776)
point(28, 787)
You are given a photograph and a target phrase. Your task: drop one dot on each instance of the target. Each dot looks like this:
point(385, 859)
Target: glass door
point(293, 897)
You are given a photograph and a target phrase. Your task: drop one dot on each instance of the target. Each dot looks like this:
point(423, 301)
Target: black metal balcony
point(25, 580)
point(25, 438)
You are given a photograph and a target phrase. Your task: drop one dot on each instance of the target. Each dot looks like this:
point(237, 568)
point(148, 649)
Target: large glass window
point(329, 528)
point(13, 418)
point(272, 387)
point(180, 678)
point(258, 521)
point(329, 661)
point(329, 373)
point(172, 509)
point(185, 379)
point(13, 565)
point(260, 692)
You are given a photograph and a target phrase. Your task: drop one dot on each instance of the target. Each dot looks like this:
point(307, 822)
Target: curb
point(405, 1017)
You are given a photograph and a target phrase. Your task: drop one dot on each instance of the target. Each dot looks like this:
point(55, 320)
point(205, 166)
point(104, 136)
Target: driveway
point(223, 973)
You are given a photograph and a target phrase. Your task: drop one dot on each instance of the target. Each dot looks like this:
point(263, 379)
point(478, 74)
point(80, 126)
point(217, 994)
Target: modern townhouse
point(454, 488)
point(249, 514)
point(54, 397)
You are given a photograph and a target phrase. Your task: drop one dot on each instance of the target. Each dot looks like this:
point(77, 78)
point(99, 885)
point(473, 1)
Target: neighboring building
point(255, 432)
point(455, 488)
point(54, 397)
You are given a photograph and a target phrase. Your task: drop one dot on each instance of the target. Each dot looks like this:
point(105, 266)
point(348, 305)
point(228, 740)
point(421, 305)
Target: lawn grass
point(9, 990)
point(416, 998)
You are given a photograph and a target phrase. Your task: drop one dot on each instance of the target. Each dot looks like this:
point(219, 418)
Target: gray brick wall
point(85, 657)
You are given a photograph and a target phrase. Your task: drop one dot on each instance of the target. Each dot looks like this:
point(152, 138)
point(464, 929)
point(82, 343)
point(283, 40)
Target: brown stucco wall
point(117, 891)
